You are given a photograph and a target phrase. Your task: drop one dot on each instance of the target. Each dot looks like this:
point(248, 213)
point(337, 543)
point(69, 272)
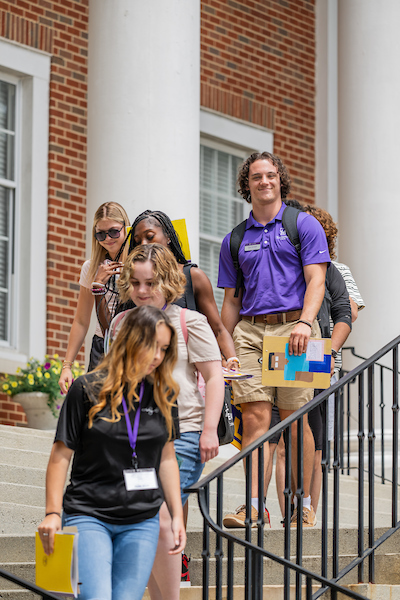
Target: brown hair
point(328, 225)
point(168, 277)
point(127, 362)
point(243, 177)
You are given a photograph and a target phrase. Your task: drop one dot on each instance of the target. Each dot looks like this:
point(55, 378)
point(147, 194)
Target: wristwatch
point(334, 353)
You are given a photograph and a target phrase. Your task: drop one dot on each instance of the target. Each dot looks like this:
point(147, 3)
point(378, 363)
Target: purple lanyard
point(132, 434)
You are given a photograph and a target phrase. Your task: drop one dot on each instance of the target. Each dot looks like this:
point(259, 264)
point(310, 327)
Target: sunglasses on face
point(112, 233)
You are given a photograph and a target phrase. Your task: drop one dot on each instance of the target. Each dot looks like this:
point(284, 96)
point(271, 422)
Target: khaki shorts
point(248, 340)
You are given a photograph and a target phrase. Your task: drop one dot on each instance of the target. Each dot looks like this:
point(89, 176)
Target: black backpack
point(289, 222)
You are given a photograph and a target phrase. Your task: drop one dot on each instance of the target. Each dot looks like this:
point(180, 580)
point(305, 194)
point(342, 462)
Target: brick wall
point(258, 64)
point(59, 27)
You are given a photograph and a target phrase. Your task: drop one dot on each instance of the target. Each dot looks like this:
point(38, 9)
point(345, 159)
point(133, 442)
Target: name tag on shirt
point(140, 479)
point(250, 247)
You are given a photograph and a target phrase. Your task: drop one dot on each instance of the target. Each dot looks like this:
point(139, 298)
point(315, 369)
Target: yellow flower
point(9, 392)
point(55, 356)
point(14, 384)
point(31, 381)
point(47, 375)
point(39, 369)
point(39, 374)
point(5, 386)
point(18, 370)
point(76, 364)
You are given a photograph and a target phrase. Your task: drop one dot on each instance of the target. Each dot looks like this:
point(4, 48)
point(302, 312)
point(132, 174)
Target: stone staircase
point(23, 459)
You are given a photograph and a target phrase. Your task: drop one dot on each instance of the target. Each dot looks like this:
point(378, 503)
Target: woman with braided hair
point(97, 281)
point(154, 226)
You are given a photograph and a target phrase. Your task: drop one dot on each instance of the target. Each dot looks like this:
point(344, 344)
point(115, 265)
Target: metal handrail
point(27, 585)
point(363, 358)
point(254, 554)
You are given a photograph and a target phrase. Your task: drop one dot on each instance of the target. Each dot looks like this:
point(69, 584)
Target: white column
point(143, 108)
point(326, 101)
point(369, 159)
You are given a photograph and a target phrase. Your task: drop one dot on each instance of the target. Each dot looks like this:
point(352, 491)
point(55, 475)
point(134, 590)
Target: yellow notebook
point(58, 572)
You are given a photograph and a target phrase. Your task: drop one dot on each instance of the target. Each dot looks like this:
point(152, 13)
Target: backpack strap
point(289, 222)
point(234, 244)
point(189, 293)
point(183, 325)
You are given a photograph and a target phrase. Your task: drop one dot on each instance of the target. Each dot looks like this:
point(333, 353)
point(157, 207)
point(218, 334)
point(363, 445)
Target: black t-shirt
point(97, 486)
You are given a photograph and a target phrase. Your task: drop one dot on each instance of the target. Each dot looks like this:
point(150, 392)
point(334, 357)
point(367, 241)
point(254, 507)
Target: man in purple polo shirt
point(281, 295)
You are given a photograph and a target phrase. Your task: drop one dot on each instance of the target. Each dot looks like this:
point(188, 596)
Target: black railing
point(27, 585)
point(349, 416)
point(333, 565)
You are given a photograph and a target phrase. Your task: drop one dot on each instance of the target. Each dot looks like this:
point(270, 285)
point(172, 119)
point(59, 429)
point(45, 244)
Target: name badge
point(250, 247)
point(140, 479)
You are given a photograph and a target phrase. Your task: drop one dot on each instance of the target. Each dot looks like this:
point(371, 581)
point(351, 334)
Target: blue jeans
point(191, 467)
point(114, 561)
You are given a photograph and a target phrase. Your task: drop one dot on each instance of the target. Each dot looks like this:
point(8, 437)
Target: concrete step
point(22, 475)
point(312, 543)
point(24, 570)
point(387, 570)
point(19, 518)
point(28, 440)
point(275, 592)
point(17, 594)
point(234, 496)
point(29, 495)
point(23, 458)
point(17, 547)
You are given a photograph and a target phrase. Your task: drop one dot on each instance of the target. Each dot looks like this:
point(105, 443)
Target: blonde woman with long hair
point(119, 422)
point(151, 277)
point(97, 281)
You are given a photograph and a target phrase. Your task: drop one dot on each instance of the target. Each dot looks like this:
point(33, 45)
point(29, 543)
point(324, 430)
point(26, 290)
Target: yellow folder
point(312, 369)
point(58, 572)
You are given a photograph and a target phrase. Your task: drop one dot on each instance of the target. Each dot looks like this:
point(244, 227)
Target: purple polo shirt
point(272, 270)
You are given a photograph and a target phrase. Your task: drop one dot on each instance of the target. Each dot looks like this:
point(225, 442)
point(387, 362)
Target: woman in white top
point(151, 276)
point(97, 280)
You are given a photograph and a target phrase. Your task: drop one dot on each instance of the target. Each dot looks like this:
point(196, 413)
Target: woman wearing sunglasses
point(97, 280)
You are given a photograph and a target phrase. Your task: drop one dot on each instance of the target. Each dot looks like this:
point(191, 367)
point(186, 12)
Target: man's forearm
point(339, 335)
point(312, 300)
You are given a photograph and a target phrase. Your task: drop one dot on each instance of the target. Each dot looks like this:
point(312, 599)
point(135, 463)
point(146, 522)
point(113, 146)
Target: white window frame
point(235, 137)
point(29, 70)
point(12, 185)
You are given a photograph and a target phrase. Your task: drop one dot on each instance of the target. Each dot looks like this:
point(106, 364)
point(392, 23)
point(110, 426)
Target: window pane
point(6, 199)
point(4, 211)
point(3, 264)
point(6, 156)
point(221, 208)
point(3, 315)
point(7, 106)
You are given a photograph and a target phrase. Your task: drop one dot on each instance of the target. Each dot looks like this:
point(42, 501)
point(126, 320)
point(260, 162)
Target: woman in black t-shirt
point(119, 422)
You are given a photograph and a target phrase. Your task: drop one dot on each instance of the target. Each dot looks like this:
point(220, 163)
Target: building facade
point(154, 105)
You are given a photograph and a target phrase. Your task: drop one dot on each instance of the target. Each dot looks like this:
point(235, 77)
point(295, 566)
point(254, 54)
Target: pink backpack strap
point(118, 319)
point(183, 325)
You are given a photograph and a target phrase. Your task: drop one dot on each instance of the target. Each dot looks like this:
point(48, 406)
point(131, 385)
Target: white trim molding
point(31, 70)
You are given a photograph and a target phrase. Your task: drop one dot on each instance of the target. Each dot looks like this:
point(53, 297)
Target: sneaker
point(185, 577)
point(237, 518)
point(309, 518)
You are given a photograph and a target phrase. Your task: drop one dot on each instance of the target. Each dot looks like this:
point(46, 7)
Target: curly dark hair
point(328, 224)
point(243, 177)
